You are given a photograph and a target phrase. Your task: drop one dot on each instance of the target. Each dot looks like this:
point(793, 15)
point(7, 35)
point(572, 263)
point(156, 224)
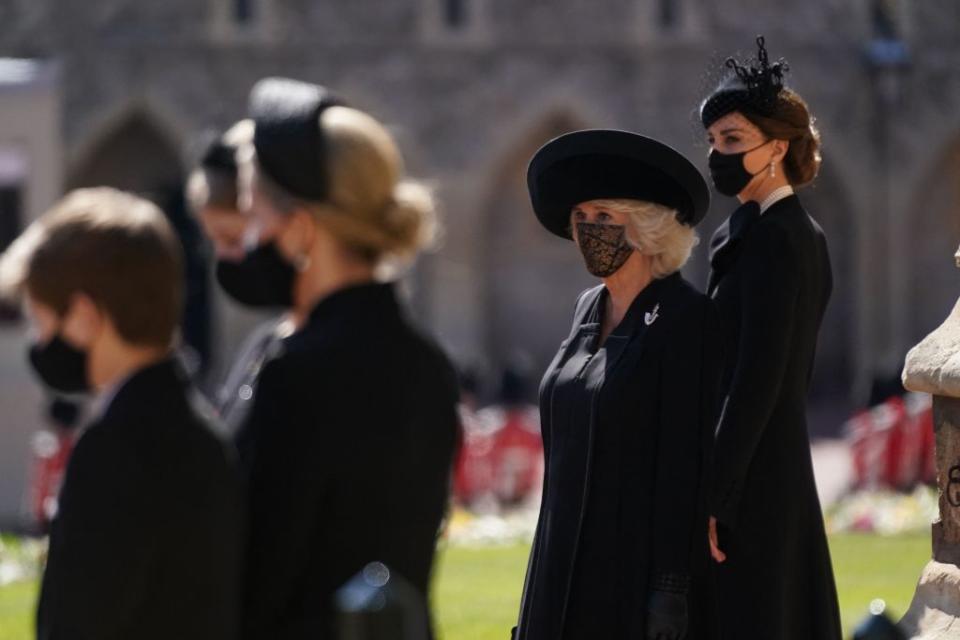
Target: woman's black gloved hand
point(667, 610)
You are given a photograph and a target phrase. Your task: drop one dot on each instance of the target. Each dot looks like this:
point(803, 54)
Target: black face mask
point(729, 175)
point(60, 366)
point(604, 247)
point(263, 278)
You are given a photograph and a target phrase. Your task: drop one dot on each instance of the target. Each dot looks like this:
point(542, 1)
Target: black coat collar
point(365, 303)
point(156, 386)
point(727, 241)
point(643, 311)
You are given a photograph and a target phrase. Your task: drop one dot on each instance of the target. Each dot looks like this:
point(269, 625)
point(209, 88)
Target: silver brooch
point(652, 316)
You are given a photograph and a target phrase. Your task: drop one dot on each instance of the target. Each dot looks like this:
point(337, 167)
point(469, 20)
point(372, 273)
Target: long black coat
point(771, 283)
point(351, 441)
point(147, 542)
point(627, 427)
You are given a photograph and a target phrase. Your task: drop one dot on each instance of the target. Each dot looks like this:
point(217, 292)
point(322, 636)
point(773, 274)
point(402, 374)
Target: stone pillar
point(933, 367)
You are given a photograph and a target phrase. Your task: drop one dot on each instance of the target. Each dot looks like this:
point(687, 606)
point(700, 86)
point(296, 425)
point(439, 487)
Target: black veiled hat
point(601, 164)
point(287, 136)
point(752, 86)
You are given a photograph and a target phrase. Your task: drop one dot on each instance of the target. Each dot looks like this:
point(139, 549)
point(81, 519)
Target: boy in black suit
point(147, 539)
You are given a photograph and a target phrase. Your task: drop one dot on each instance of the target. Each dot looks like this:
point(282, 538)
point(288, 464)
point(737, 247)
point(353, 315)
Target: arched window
point(455, 13)
point(244, 12)
point(668, 14)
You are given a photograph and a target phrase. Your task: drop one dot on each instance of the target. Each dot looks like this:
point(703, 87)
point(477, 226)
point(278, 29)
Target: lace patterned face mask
point(604, 247)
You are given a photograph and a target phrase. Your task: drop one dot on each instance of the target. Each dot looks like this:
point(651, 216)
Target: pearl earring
point(302, 262)
point(773, 170)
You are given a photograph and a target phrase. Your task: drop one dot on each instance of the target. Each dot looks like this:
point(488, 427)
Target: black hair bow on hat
point(751, 86)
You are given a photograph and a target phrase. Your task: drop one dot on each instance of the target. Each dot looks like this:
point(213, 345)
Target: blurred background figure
point(350, 442)
point(517, 452)
point(51, 450)
point(500, 465)
point(213, 193)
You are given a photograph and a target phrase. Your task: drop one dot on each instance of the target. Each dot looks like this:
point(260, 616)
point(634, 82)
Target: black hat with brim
point(287, 135)
point(606, 164)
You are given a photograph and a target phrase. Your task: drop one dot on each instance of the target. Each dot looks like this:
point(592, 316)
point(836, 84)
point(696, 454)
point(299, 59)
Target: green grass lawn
point(17, 603)
point(477, 590)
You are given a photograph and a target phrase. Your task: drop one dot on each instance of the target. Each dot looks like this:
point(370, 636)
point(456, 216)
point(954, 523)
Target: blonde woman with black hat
point(770, 277)
point(349, 443)
point(628, 403)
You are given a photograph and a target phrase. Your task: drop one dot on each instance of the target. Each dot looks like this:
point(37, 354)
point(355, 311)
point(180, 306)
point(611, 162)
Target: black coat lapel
point(644, 311)
point(726, 241)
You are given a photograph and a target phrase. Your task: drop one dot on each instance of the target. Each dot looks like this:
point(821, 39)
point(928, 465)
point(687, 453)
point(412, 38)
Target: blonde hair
point(371, 208)
point(653, 230)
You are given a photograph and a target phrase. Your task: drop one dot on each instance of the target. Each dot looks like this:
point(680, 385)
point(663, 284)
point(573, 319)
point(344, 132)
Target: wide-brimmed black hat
point(749, 86)
point(287, 136)
point(604, 164)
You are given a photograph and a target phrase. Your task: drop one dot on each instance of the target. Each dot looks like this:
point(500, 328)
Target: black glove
point(667, 610)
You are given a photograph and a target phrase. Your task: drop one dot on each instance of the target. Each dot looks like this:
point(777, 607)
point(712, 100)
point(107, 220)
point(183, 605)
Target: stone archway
point(136, 154)
point(531, 278)
point(832, 387)
point(934, 228)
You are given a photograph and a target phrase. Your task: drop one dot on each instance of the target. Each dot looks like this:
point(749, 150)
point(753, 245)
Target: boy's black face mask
point(60, 366)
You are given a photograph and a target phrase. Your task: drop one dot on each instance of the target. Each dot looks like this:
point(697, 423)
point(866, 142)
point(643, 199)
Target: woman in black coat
point(349, 444)
point(771, 281)
point(628, 402)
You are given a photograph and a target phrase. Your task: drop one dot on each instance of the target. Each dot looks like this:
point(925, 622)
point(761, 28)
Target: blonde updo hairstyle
point(372, 210)
point(653, 230)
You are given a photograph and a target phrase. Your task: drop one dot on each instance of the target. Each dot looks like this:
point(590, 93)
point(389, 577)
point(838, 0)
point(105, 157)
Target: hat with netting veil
point(751, 86)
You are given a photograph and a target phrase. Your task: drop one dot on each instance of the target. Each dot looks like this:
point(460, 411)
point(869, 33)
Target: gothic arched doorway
point(935, 234)
point(531, 277)
point(831, 392)
point(137, 155)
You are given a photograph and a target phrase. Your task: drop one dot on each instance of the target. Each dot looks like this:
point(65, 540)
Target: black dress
point(627, 431)
point(771, 283)
point(351, 441)
point(147, 540)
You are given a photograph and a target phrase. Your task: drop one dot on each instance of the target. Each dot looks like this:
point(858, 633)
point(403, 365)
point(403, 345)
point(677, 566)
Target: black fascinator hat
point(750, 86)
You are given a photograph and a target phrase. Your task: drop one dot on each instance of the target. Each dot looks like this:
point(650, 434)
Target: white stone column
point(933, 367)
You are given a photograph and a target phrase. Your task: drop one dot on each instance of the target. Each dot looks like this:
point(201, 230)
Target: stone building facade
point(473, 87)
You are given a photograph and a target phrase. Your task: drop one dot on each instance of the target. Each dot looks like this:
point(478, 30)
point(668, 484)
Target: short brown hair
point(790, 120)
point(116, 248)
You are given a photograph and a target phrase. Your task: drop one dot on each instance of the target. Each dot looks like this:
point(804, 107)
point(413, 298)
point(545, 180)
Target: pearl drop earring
point(302, 262)
point(773, 170)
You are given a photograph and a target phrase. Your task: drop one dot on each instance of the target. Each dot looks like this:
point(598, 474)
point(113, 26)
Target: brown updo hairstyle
point(790, 120)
